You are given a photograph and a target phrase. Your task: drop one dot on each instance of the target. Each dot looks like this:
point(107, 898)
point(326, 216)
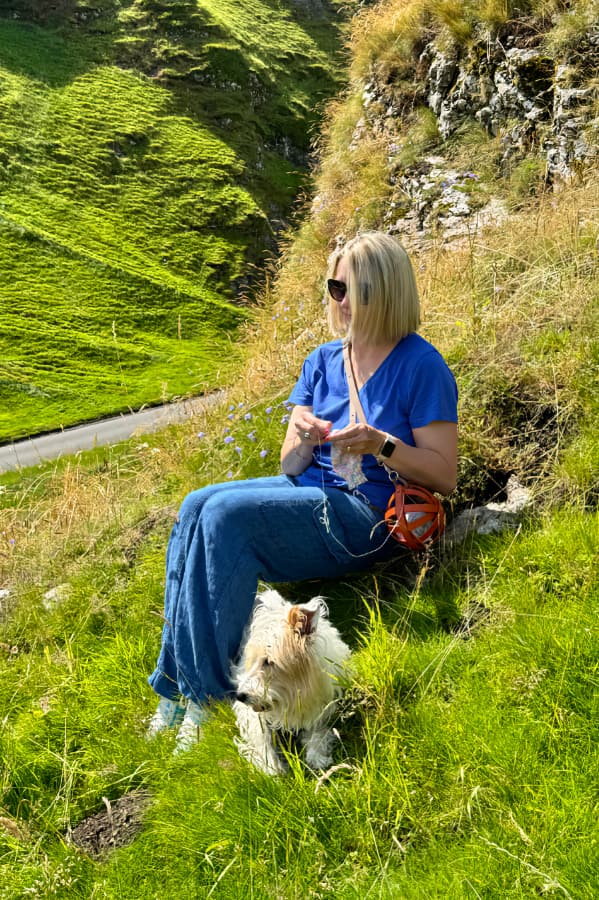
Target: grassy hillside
point(470, 759)
point(468, 756)
point(146, 155)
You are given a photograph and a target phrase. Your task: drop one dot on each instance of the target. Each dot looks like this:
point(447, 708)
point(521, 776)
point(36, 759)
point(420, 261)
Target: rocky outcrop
point(572, 143)
point(525, 94)
point(436, 198)
point(540, 108)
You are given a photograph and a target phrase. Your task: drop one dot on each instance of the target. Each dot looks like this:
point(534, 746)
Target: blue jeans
point(226, 538)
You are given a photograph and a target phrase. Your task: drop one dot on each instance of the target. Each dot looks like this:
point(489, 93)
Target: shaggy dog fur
point(286, 680)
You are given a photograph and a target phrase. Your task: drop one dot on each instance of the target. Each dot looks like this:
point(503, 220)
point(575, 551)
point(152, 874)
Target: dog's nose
point(243, 698)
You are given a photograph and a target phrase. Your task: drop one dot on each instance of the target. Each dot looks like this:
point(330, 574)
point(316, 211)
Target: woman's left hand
point(358, 438)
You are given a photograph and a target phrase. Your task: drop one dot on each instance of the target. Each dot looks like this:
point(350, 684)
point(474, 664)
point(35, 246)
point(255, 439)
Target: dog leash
point(356, 410)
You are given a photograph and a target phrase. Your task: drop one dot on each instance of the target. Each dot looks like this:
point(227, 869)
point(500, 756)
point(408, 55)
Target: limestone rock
point(491, 518)
point(55, 596)
point(539, 105)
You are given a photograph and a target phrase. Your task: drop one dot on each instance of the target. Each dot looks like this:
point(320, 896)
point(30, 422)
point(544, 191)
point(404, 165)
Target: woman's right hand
point(308, 427)
point(304, 432)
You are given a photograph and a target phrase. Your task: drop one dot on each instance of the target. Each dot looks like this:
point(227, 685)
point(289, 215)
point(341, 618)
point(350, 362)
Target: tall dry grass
point(514, 309)
point(387, 36)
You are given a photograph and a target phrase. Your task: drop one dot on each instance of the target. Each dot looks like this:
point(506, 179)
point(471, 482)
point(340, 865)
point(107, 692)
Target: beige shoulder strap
point(356, 413)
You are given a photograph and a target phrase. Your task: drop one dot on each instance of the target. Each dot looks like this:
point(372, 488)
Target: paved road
point(36, 450)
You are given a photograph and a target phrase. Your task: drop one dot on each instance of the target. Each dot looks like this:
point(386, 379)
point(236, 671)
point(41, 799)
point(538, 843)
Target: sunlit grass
point(132, 206)
point(467, 761)
point(464, 762)
point(464, 759)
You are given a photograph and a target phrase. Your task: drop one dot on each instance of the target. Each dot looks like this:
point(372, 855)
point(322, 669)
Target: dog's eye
point(267, 663)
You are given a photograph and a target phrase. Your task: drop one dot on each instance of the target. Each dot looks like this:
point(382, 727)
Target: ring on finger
point(307, 435)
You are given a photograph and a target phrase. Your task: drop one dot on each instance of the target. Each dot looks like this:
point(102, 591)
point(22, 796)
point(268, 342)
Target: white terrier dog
point(286, 680)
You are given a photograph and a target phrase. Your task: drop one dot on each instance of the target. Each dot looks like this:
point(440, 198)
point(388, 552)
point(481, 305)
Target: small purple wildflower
point(201, 434)
point(268, 410)
point(232, 407)
point(284, 419)
point(252, 436)
point(229, 474)
point(229, 439)
point(238, 450)
point(227, 430)
point(263, 453)
point(247, 417)
point(240, 404)
point(231, 416)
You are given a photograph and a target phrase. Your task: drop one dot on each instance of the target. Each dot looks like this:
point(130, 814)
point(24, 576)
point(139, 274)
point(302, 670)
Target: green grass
point(134, 202)
point(470, 763)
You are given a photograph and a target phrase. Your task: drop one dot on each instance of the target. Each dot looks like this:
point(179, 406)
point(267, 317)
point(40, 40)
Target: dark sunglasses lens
point(337, 289)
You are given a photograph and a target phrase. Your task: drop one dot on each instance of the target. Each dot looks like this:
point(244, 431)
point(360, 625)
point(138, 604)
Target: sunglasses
point(337, 289)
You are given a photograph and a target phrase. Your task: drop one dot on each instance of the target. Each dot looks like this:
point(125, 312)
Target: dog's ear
point(303, 619)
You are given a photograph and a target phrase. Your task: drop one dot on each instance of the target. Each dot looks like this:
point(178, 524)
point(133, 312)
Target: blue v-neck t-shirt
point(411, 388)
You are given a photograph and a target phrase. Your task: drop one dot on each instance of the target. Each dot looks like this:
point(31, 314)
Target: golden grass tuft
point(385, 35)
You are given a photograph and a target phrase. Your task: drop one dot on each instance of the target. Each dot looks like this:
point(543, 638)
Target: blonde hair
point(381, 287)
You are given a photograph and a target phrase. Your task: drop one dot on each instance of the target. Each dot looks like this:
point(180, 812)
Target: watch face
point(387, 448)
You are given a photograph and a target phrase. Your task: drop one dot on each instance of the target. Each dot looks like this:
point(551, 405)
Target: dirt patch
point(117, 825)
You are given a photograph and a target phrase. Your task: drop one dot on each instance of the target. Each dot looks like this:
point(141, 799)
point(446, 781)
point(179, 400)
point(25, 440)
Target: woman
point(315, 520)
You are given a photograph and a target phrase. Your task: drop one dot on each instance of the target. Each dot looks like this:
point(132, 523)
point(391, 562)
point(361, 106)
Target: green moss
point(526, 179)
point(422, 135)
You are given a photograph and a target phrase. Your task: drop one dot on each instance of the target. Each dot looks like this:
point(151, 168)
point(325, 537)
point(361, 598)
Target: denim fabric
point(227, 537)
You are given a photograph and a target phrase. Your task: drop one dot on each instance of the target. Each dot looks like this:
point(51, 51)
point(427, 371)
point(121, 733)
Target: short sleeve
point(303, 391)
point(433, 395)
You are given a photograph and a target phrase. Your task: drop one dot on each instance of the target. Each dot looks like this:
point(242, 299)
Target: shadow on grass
point(400, 590)
point(45, 55)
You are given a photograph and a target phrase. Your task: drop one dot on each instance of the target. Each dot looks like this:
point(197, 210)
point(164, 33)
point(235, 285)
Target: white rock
point(491, 518)
point(55, 596)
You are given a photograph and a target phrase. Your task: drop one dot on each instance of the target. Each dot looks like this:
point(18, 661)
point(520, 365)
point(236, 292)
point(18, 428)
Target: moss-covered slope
point(148, 150)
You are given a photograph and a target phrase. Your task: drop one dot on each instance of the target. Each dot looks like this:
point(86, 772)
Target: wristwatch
point(388, 446)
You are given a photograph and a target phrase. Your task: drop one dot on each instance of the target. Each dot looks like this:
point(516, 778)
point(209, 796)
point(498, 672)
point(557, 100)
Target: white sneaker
point(170, 714)
point(190, 731)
